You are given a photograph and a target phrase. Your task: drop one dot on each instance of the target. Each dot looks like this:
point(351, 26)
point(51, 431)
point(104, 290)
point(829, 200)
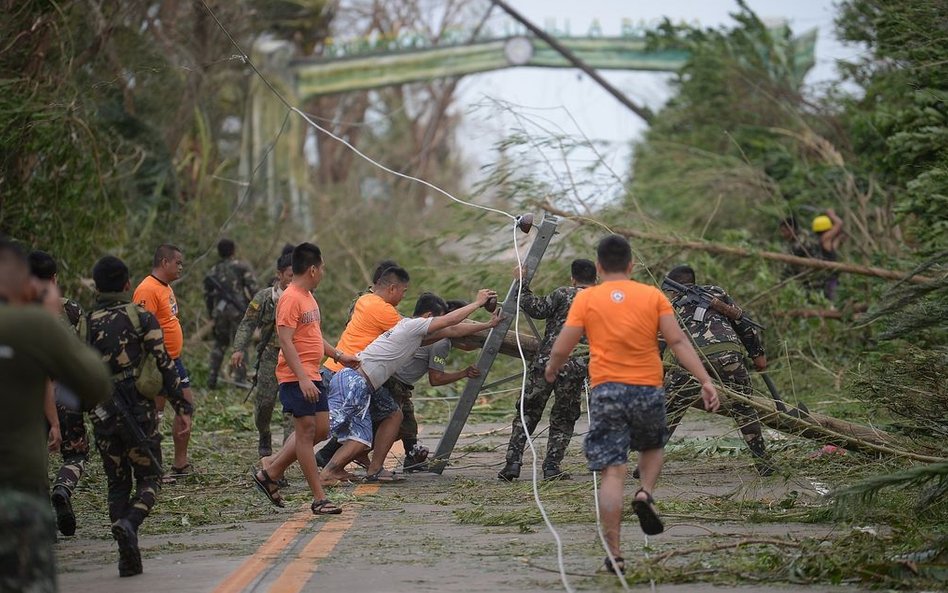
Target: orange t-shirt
point(298, 309)
point(371, 317)
point(158, 298)
point(620, 319)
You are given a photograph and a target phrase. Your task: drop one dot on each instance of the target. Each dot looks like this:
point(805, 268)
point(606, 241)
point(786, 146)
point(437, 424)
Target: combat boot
point(510, 472)
point(553, 472)
point(762, 460)
point(265, 445)
point(130, 558)
point(415, 459)
point(65, 517)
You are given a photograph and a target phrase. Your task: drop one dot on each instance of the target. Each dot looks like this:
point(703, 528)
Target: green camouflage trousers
point(682, 391)
point(568, 388)
point(265, 396)
point(27, 535)
point(122, 459)
point(74, 449)
point(225, 328)
point(401, 393)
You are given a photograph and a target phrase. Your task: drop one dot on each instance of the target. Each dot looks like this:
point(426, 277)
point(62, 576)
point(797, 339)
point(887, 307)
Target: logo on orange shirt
point(617, 296)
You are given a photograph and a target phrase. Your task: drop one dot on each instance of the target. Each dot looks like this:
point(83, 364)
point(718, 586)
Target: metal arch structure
point(282, 182)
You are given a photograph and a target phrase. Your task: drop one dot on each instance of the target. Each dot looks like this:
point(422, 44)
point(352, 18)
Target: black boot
point(62, 503)
point(510, 472)
point(264, 446)
point(553, 472)
point(130, 558)
point(762, 460)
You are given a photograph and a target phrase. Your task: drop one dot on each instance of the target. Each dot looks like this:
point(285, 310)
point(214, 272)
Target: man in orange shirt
point(155, 294)
point(302, 392)
point(622, 320)
point(372, 314)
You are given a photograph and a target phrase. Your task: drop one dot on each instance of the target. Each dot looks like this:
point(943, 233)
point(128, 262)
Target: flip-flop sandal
point(325, 507)
point(648, 518)
point(264, 486)
point(383, 478)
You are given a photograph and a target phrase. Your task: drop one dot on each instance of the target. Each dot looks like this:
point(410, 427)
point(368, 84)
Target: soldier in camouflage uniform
point(122, 341)
point(74, 446)
point(34, 346)
point(228, 287)
point(719, 342)
point(568, 385)
point(261, 313)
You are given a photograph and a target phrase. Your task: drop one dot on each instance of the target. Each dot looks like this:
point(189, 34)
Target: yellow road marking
point(298, 572)
point(266, 555)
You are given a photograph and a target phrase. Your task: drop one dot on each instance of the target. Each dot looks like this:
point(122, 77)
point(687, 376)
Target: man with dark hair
point(228, 288)
point(568, 385)
point(34, 348)
point(155, 294)
point(622, 320)
point(261, 313)
point(129, 337)
point(302, 392)
point(67, 424)
point(352, 391)
point(719, 341)
point(372, 314)
point(431, 360)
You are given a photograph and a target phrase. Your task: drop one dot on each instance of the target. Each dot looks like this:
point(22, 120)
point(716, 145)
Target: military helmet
point(822, 223)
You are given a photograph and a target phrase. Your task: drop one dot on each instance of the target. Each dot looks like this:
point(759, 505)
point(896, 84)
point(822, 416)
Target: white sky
point(598, 115)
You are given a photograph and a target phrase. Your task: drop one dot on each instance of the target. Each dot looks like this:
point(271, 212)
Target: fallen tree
point(785, 258)
point(810, 425)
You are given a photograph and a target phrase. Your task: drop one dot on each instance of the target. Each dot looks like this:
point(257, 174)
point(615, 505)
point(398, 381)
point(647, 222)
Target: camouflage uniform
point(113, 333)
point(27, 560)
point(568, 385)
point(261, 313)
point(75, 445)
point(719, 343)
point(228, 287)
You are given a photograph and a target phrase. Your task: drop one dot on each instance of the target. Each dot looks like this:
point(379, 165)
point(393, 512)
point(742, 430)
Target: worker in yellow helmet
point(829, 232)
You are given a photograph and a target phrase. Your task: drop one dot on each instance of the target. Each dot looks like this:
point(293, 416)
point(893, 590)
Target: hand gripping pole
point(492, 347)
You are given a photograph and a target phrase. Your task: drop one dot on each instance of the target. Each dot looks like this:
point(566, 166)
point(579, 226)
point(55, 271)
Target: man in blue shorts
point(622, 320)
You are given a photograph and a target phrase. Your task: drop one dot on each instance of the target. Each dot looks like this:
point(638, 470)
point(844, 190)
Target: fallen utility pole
point(642, 112)
point(806, 262)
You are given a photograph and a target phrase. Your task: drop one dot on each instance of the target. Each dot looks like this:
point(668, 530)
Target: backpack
point(148, 379)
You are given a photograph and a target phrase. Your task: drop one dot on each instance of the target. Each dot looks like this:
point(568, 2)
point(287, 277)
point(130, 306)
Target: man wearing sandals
point(622, 320)
point(155, 294)
point(352, 391)
point(302, 392)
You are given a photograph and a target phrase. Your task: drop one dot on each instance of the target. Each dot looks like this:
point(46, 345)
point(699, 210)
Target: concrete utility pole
point(642, 112)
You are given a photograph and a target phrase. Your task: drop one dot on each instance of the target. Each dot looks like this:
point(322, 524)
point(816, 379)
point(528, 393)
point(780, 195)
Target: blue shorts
point(624, 418)
point(382, 405)
point(291, 396)
point(182, 373)
point(350, 398)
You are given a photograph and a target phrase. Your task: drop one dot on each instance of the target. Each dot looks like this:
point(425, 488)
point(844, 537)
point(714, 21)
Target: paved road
point(409, 537)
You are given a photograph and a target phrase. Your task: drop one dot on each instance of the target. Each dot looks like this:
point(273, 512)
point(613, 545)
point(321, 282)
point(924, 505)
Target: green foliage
point(899, 126)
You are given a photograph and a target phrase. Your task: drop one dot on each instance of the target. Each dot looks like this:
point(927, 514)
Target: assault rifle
point(705, 300)
point(122, 399)
point(217, 290)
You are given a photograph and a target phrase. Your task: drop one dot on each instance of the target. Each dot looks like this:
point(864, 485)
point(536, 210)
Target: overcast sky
point(557, 94)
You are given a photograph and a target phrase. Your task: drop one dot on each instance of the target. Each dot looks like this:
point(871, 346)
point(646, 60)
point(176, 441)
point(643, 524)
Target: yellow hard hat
point(822, 223)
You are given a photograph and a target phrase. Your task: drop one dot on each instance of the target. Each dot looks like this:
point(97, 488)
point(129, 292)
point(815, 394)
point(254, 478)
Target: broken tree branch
point(785, 258)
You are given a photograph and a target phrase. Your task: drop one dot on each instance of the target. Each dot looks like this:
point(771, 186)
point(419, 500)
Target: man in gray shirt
point(352, 390)
point(427, 360)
